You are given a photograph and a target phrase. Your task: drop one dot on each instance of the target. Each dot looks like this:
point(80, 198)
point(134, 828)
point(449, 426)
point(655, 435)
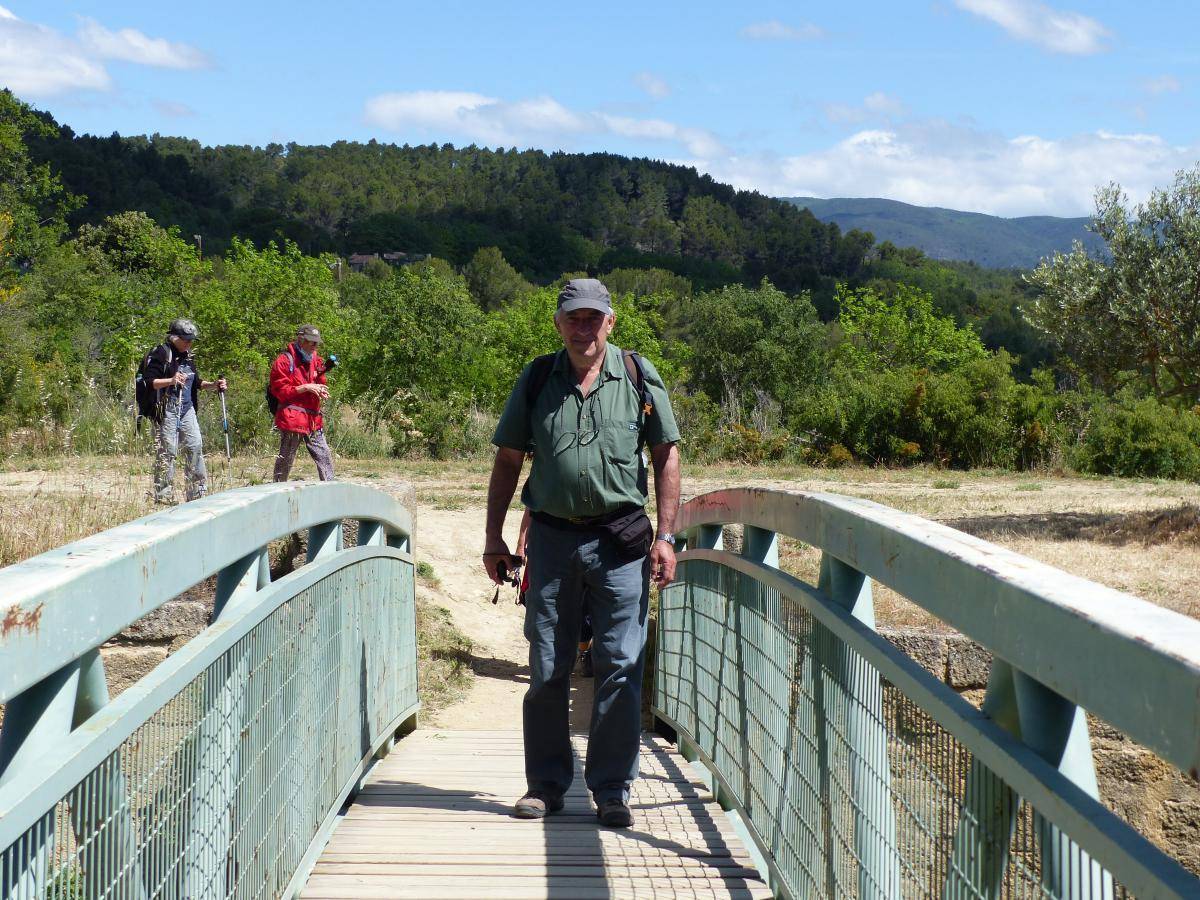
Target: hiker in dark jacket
point(590, 416)
point(170, 371)
point(298, 385)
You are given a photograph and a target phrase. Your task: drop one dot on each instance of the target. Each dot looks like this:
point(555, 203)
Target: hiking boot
point(537, 805)
point(585, 664)
point(614, 813)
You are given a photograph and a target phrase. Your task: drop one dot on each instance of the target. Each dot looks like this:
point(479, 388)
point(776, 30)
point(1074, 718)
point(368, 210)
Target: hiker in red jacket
point(298, 385)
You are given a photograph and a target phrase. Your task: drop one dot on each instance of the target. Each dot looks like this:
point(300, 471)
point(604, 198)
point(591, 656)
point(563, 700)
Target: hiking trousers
point(171, 433)
point(318, 449)
point(566, 564)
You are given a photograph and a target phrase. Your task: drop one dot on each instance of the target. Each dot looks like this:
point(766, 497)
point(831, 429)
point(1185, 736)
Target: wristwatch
point(666, 536)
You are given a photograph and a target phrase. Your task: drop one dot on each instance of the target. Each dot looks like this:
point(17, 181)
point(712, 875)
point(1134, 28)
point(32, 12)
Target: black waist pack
point(632, 535)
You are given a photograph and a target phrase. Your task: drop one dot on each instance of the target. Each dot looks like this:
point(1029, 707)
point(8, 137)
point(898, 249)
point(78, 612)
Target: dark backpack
point(144, 394)
point(542, 366)
point(272, 400)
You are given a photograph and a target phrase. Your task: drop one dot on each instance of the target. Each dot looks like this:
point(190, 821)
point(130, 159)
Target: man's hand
point(180, 379)
point(320, 390)
point(662, 563)
point(218, 385)
point(495, 552)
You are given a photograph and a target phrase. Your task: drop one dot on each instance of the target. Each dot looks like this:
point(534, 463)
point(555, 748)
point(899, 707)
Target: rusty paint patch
point(24, 619)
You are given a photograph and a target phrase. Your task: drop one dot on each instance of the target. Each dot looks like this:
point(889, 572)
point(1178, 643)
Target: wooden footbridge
point(794, 753)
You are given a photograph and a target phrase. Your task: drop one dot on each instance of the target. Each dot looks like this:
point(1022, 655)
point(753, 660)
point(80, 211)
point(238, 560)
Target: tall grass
point(54, 508)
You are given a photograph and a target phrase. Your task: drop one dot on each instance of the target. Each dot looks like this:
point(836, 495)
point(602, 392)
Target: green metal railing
point(856, 773)
point(221, 772)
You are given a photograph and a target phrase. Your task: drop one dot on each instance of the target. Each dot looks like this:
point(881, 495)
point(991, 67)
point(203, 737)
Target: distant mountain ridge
point(990, 241)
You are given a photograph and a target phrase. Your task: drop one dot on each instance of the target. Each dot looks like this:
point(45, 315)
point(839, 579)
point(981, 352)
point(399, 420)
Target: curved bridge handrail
point(1133, 664)
point(62, 603)
point(1142, 867)
point(23, 801)
point(223, 769)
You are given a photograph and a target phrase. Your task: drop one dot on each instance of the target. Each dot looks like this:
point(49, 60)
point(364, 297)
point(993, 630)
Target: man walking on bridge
point(588, 411)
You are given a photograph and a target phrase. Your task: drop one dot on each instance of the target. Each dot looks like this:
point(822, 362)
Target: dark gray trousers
point(563, 564)
point(318, 449)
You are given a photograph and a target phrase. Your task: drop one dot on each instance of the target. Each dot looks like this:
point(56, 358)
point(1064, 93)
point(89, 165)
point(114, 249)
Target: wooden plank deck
point(434, 820)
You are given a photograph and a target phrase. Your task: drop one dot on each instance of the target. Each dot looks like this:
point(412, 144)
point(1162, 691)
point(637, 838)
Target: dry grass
point(443, 657)
point(50, 512)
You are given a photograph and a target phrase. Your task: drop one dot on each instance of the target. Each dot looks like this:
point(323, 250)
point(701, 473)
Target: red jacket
point(298, 411)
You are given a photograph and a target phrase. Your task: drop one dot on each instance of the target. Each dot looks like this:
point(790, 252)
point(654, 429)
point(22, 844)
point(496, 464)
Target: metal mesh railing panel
point(220, 792)
point(853, 789)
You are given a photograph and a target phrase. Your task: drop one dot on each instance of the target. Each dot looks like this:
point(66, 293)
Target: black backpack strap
point(636, 370)
point(539, 374)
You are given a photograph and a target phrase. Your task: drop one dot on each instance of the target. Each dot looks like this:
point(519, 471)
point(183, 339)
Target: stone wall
point(147, 642)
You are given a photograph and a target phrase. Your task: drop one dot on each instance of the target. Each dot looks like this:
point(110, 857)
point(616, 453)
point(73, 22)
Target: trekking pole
point(225, 425)
point(225, 428)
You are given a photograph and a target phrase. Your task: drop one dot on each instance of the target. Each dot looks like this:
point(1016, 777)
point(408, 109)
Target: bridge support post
point(1057, 731)
point(878, 860)
point(706, 537)
point(34, 721)
point(324, 539)
point(761, 545)
point(370, 534)
point(104, 804)
point(985, 828)
point(215, 806)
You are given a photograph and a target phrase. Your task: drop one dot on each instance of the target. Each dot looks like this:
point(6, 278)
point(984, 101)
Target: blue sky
point(1013, 107)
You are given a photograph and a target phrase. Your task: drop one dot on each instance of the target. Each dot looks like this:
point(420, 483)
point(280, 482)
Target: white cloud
point(652, 85)
point(1028, 20)
point(173, 110)
point(696, 141)
point(1164, 84)
point(36, 61)
point(774, 30)
point(935, 163)
point(874, 107)
point(538, 121)
point(131, 45)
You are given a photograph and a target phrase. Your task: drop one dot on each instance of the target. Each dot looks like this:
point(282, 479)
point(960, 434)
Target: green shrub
point(1138, 436)
point(1046, 422)
point(898, 417)
point(963, 415)
point(357, 441)
point(699, 419)
point(449, 427)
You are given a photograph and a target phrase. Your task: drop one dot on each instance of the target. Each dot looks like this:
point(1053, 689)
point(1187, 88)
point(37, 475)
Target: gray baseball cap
point(183, 328)
point(309, 333)
point(584, 293)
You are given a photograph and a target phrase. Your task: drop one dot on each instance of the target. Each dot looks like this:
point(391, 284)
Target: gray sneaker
point(537, 805)
point(615, 813)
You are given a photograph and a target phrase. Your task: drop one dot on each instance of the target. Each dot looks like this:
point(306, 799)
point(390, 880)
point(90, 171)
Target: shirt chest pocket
point(619, 442)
